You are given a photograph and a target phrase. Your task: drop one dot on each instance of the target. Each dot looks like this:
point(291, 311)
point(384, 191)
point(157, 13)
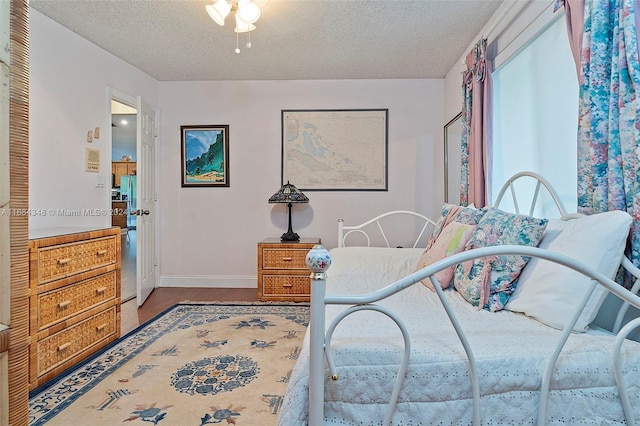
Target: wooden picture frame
point(335, 149)
point(452, 159)
point(205, 155)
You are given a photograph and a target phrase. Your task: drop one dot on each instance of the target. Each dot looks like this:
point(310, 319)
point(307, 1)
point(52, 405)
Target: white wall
point(453, 92)
point(69, 77)
point(209, 235)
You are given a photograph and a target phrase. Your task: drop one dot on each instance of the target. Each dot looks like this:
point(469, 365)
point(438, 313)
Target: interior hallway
point(128, 266)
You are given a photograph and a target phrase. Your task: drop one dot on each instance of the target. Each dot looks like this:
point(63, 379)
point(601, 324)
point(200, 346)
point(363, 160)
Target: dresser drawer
point(68, 259)
point(276, 258)
point(286, 285)
point(74, 297)
point(59, 347)
point(58, 305)
point(282, 269)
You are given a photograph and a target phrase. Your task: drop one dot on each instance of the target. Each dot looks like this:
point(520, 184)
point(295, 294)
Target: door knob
point(139, 212)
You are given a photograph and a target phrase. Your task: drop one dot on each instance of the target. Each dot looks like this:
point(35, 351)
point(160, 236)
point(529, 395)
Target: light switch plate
point(90, 136)
point(99, 180)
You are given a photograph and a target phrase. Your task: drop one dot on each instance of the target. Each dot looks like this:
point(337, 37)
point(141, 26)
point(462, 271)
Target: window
point(535, 116)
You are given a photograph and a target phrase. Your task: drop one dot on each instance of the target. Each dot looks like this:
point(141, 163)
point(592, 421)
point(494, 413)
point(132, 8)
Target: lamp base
point(290, 236)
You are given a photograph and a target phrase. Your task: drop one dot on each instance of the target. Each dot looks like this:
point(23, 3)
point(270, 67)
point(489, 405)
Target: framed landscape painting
point(205, 155)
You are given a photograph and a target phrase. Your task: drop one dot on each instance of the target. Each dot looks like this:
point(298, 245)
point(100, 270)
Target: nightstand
point(282, 269)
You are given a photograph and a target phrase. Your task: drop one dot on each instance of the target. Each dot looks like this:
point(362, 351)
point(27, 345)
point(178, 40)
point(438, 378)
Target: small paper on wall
point(92, 160)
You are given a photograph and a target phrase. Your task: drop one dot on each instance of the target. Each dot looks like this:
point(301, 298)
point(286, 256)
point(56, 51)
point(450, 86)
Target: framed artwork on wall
point(333, 150)
point(452, 159)
point(205, 155)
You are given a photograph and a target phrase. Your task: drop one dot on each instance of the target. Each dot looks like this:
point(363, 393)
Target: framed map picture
point(333, 150)
point(205, 155)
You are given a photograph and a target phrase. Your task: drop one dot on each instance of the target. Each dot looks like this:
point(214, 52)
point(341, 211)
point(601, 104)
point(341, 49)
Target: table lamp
point(289, 194)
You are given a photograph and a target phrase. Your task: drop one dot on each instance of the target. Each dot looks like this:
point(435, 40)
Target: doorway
point(138, 185)
point(124, 189)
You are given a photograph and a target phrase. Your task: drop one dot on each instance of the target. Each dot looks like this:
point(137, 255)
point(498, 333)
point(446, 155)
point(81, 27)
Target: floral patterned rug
point(195, 364)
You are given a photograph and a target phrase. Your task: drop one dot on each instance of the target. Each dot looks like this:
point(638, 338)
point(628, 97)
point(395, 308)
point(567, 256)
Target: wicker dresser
point(282, 269)
point(74, 284)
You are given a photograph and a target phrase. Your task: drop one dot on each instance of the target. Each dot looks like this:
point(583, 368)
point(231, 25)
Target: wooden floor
point(165, 297)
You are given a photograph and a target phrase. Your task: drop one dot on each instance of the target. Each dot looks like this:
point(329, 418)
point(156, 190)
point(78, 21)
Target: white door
point(146, 257)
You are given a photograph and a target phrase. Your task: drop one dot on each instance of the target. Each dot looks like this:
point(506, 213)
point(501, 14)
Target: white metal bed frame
point(378, 220)
point(540, 182)
point(320, 339)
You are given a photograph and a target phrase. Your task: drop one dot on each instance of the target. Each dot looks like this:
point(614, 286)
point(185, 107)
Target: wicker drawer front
point(284, 258)
point(68, 259)
point(59, 347)
point(290, 285)
point(61, 304)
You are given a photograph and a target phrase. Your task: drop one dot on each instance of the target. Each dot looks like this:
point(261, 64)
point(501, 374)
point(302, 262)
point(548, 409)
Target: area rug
point(195, 364)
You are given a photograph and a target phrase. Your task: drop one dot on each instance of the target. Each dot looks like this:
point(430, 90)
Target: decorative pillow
point(488, 282)
point(450, 213)
point(550, 292)
point(451, 240)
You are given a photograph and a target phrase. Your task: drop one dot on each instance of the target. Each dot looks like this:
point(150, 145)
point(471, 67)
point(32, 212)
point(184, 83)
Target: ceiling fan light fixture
point(219, 11)
point(243, 27)
point(248, 11)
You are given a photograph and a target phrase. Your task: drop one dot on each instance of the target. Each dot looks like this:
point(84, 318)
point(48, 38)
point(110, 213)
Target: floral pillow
point(450, 213)
point(488, 282)
point(452, 240)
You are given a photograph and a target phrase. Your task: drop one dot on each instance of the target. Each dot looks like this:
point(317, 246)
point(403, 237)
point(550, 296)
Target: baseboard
point(208, 281)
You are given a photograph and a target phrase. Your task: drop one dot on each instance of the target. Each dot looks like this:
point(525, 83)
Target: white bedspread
point(510, 348)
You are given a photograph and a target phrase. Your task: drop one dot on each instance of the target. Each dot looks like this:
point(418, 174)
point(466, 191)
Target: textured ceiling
point(175, 40)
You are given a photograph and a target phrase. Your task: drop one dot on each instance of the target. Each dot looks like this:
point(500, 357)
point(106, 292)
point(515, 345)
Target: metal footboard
point(405, 358)
point(320, 342)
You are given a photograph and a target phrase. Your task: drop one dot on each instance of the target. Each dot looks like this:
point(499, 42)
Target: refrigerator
point(128, 194)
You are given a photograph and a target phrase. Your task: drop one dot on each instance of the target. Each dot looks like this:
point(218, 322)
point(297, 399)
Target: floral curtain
point(609, 109)
point(574, 17)
point(476, 85)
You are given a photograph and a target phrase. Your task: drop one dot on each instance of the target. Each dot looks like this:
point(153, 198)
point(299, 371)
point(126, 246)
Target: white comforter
point(511, 350)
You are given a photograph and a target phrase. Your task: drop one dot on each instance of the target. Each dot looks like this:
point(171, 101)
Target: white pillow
point(550, 292)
